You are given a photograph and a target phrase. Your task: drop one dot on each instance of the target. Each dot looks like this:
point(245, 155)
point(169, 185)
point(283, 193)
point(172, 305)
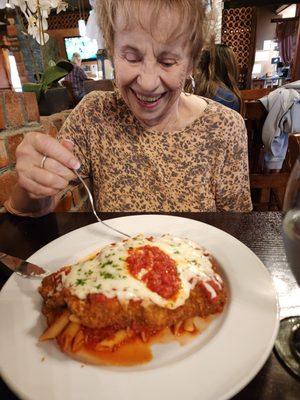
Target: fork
point(93, 206)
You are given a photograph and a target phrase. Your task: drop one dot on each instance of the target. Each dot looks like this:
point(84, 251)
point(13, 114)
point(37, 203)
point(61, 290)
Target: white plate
point(214, 366)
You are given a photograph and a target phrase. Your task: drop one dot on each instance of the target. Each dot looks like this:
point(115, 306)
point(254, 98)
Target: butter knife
point(22, 267)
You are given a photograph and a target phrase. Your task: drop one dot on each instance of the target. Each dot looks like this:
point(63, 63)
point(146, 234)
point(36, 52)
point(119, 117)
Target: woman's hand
point(46, 179)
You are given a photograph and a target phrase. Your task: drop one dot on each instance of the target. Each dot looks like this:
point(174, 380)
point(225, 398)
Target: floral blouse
point(203, 167)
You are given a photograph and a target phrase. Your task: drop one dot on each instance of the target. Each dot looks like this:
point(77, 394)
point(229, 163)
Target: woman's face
point(150, 72)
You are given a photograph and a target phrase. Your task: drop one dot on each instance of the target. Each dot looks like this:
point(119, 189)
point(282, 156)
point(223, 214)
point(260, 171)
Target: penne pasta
point(200, 324)
point(78, 341)
point(188, 325)
point(57, 327)
point(177, 328)
point(118, 338)
point(66, 338)
point(73, 318)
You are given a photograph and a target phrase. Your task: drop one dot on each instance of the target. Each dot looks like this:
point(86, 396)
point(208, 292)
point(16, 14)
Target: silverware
point(93, 207)
point(22, 267)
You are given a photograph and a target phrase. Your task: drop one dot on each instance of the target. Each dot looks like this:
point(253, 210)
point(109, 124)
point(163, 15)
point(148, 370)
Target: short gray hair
point(75, 56)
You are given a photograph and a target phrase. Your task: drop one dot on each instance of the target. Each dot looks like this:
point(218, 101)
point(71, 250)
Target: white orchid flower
point(61, 6)
point(45, 13)
point(42, 38)
point(32, 25)
point(36, 13)
point(45, 5)
point(12, 3)
point(32, 5)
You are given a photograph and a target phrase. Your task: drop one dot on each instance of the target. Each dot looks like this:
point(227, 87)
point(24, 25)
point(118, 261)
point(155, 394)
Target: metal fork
point(93, 207)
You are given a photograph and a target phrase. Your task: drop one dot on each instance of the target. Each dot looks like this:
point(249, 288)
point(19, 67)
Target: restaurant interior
point(254, 30)
point(36, 95)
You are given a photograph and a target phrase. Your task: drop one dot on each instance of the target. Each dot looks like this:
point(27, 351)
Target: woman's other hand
point(43, 179)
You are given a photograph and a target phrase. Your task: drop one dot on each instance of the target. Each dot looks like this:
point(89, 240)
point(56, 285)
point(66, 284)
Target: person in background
point(76, 77)
point(148, 146)
point(218, 75)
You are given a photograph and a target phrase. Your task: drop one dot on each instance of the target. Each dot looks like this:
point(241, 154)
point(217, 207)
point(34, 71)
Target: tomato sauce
point(132, 352)
point(207, 294)
point(94, 336)
point(160, 273)
point(100, 298)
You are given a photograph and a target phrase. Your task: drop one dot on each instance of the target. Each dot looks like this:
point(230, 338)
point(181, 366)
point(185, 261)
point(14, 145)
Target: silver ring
point(43, 161)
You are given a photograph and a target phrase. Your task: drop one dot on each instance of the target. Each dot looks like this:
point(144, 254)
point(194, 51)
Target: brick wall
point(19, 115)
point(30, 51)
point(12, 42)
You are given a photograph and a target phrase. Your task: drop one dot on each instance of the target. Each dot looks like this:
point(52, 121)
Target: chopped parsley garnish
point(80, 282)
point(98, 286)
point(89, 272)
point(109, 262)
point(109, 255)
point(176, 252)
point(107, 275)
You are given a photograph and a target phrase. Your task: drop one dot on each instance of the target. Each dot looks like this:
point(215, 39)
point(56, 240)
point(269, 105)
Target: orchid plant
point(36, 13)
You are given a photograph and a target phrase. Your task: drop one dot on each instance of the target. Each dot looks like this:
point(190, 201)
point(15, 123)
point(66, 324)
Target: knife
point(22, 267)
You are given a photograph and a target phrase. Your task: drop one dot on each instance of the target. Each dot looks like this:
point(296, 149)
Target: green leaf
point(33, 87)
point(52, 75)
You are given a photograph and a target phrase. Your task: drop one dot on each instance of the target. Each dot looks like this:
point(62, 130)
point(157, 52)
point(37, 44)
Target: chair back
point(255, 94)
point(267, 188)
point(101, 84)
point(68, 86)
point(255, 116)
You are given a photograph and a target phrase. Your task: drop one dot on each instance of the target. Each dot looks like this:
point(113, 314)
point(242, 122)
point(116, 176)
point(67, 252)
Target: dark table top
point(259, 231)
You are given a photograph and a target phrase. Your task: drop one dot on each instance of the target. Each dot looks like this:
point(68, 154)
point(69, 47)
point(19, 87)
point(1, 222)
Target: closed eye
point(132, 58)
point(167, 64)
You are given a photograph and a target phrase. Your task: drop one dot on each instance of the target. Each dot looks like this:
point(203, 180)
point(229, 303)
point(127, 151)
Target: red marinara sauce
point(161, 274)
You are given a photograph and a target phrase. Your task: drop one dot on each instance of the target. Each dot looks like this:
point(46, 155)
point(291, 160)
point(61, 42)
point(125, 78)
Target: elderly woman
point(147, 146)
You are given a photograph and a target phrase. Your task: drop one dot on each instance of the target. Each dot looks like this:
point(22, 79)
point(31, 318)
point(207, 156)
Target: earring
point(193, 84)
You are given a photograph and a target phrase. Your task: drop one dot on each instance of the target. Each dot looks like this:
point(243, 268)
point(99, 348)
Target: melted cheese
point(107, 273)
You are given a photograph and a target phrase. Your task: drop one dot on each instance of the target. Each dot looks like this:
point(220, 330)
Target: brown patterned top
point(203, 167)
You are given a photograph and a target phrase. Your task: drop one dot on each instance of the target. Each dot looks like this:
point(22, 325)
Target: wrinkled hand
point(57, 171)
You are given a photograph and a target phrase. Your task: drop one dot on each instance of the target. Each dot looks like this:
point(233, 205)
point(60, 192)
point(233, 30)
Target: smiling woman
point(147, 146)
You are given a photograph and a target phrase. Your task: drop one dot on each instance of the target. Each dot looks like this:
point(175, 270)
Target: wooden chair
point(255, 94)
point(69, 88)
point(101, 84)
point(267, 189)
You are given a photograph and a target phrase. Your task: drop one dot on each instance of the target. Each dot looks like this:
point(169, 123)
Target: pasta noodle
point(67, 336)
point(57, 327)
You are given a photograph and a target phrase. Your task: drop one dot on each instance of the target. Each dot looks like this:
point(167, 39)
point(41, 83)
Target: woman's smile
point(148, 101)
